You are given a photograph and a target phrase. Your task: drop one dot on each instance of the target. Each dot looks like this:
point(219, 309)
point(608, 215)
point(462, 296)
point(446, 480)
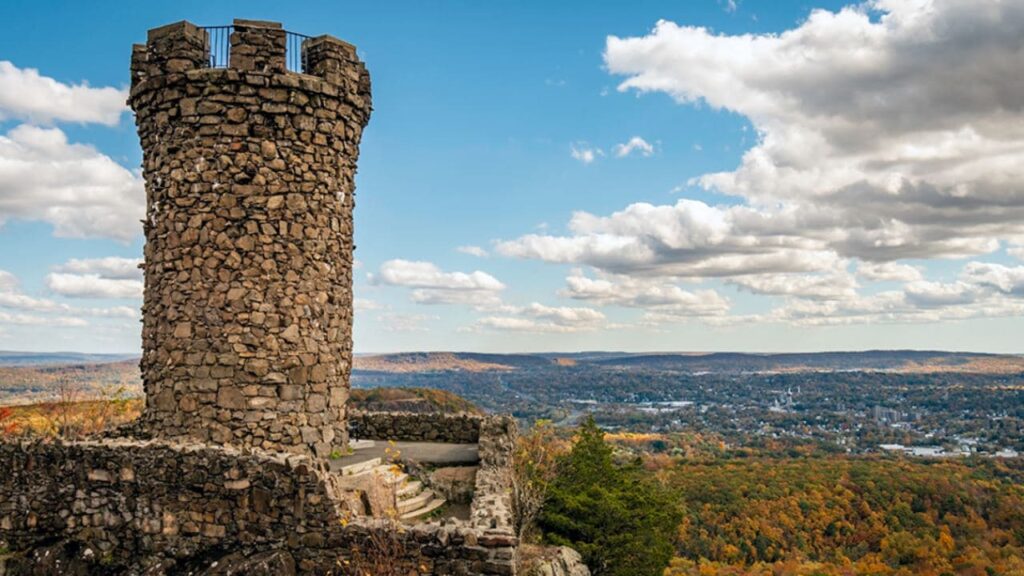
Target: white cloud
point(419, 274)
point(901, 118)
point(365, 304)
point(1006, 279)
point(12, 298)
point(636, 292)
point(473, 251)
point(688, 239)
point(888, 130)
point(834, 285)
point(93, 286)
point(888, 271)
point(925, 294)
point(584, 152)
point(564, 315)
point(8, 281)
point(31, 320)
point(431, 285)
point(27, 95)
point(78, 190)
point(540, 318)
point(113, 267)
point(635, 144)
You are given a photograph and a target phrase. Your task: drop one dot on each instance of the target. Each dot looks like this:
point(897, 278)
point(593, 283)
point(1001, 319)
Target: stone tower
point(249, 154)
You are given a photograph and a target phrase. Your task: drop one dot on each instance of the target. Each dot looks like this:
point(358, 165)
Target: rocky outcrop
point(553, 561)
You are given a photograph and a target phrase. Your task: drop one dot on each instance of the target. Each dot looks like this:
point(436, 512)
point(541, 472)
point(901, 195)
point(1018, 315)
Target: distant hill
point(909, 361)
point(8, 358)
point(445, 361)
point(27, 377)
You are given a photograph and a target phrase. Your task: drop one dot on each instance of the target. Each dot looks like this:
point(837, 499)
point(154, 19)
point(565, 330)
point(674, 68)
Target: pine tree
point(620, 521)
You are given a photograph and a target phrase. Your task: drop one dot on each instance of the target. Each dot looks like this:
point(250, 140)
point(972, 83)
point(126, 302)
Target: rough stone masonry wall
point(139, 503)
point(461, 428)
point(247, 314)
point(143, 505)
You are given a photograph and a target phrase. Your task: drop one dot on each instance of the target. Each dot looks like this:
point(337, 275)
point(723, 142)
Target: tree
point(7, 425)
point(621, 521)
point(534, 467)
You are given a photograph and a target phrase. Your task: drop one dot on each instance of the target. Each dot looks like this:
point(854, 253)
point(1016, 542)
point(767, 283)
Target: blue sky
point(843, 213)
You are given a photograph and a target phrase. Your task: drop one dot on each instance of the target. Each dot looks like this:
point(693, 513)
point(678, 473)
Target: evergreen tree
point(620, 521)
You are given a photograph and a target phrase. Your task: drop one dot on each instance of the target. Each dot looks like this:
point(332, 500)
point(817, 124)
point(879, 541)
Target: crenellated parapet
point(249, 168)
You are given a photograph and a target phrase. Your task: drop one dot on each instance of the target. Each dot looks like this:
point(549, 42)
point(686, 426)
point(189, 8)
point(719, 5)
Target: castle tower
point(250, 136)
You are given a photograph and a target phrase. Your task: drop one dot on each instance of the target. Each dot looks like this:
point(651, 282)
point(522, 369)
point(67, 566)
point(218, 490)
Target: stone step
point(353, 469)
point(421, 512)
point(409, 490)
point(418, 501)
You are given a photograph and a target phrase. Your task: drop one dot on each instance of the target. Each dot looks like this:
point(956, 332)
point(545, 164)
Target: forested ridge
point(842, 515)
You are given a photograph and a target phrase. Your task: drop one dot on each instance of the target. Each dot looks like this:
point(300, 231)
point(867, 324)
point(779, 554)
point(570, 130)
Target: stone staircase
point(413, 500)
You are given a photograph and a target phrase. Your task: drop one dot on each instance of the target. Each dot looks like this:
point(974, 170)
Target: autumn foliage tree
point(535, 465)
point(7, 425)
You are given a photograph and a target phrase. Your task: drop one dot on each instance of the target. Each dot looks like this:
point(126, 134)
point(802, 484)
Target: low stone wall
point(160, 507)
point(129, 499)
point(492, 500)
point(157, 505)
point(461, 428)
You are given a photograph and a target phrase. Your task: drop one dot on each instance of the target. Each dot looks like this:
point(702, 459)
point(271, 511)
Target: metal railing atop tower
point(219, 48)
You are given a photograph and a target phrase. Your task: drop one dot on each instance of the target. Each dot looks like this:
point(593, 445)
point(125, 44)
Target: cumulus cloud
point(32, 320)
point(635, 144)
point(365, 304)
point(113, 267)
point(73, 187)
point(982, 290)
point(431, 285)
point(584, 152)
point(690, 238)
point(888, 271)
point(1006, 279)
point(888, 130)
point(13, 298)
point(8, 281)
point(27, 95)
point(903, 117)
point(835, 285)
point(537, 317)
point(93, 286)
point(473, 251)
point(663, 297)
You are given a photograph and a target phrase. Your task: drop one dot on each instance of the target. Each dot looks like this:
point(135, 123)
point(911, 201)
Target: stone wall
point(150, 502)
point(491, 509)
point(459, 428)
point(159, 506)
point(249, 170)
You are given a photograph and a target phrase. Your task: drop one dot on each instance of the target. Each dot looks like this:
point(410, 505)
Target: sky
point(562, 176)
